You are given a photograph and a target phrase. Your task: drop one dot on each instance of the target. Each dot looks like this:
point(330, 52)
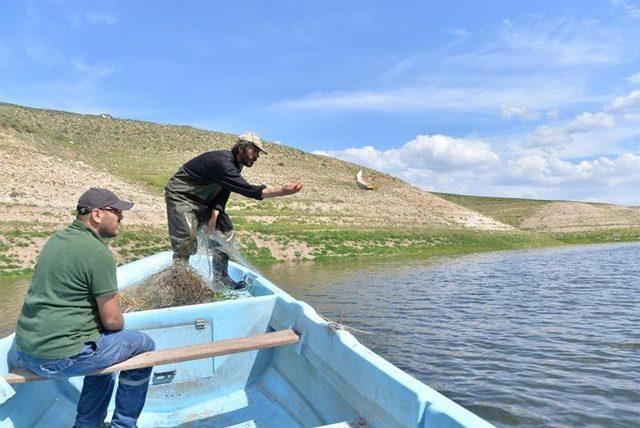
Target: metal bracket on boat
point(248, 278)
point(303, 337)
point(160, 378)
point(200, 324)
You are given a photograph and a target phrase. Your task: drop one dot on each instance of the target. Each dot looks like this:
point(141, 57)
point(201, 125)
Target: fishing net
point(180, 284)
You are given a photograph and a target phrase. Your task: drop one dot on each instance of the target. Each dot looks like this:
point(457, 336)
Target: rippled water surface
point(535, 338)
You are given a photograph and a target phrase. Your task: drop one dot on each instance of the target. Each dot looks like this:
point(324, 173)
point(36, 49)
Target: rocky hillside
point(49, 158)
point(54, 156)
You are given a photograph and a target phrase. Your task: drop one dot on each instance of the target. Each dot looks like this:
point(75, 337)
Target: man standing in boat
point(71, 323)
point(197, 195)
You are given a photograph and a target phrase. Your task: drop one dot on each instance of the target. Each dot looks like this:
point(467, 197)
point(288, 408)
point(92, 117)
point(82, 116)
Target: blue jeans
point(112, 347)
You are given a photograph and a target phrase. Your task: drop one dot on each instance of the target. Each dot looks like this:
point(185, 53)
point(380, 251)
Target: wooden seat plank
point(187, 353)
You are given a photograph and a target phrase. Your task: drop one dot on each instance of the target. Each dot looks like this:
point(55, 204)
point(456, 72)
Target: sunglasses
point(116, 211)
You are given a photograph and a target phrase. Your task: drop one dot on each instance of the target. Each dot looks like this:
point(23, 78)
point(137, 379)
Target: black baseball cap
point(98, 198)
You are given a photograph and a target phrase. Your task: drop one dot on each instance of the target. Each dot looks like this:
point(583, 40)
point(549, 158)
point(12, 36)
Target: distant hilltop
point(50, 157)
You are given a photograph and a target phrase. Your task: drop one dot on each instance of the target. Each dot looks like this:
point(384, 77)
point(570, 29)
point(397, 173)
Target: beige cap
point(253, 138)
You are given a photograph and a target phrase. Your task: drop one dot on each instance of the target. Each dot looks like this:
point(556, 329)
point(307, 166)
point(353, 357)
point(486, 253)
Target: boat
point(323, 377)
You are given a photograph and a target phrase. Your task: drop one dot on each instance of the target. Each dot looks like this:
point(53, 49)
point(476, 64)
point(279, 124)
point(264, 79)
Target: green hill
point(511, 211)
point(550, 216)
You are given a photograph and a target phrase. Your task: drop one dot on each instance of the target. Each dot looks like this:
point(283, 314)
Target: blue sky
point(523, 99)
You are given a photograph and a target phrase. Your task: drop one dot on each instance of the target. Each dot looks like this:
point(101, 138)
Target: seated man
point(71, 323)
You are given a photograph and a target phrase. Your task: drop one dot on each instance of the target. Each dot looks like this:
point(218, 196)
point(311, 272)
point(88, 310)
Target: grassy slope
point(511, 211)
point(140, 151)
point(150, 153)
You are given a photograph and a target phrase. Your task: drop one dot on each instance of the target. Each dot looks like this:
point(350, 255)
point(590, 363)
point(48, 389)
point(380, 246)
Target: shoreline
point(264, 246)
point(326, 266)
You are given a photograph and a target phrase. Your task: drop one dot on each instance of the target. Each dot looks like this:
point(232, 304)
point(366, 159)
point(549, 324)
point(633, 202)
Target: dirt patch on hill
point(289, 251)
point(37, 187)
point(577, 216)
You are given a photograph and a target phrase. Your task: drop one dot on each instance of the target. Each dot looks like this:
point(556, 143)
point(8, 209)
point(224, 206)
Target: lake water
point(547, 337)
point(12, 292)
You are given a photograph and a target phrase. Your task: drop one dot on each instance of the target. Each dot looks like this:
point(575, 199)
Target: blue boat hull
point(327, 378)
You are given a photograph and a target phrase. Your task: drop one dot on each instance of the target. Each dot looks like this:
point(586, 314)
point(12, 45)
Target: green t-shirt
point(60, 312)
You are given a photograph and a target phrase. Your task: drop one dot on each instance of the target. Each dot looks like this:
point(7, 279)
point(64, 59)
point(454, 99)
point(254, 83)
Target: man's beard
point(245, 160)
point(105, 233)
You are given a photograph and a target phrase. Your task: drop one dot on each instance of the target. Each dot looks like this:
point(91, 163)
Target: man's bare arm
point(110, 312)
point(211, 226)
point(287, 189)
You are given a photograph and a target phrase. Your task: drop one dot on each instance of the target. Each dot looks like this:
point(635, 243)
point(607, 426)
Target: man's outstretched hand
point(287, 189)
point(291, 188)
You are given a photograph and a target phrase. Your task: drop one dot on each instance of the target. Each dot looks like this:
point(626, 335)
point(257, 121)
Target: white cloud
point(603, 179)
point(527, 71)
point(631, 9)
point(523, 113)
point(603, 171)
point(551, 114)
point(438, 151)
point(458, 165)
point(434, 164)
point(93, 18)
point(94, 71)
point(548, 64)
point(528, 167)
point(585, 134)
point(42, 53)
point(461, 32)
point(483, 97)
point(425, 152)
point(635, 78)
point(548, 45)
point(625, 103)
point(545, 135)
point(587, 121)
point(389, 160)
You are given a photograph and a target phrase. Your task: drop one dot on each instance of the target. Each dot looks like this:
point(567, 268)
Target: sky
point(527, 99)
